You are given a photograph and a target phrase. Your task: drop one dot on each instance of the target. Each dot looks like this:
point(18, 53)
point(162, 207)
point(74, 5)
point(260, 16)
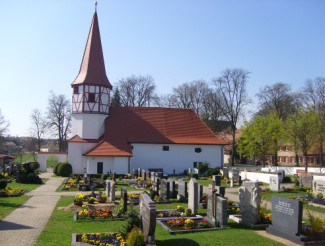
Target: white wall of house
point(179, 156)
point(87, 126)
point(114, 164)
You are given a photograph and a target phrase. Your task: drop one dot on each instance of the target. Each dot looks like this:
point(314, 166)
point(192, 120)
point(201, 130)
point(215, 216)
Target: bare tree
point(137, 91)
point(314, 95)
point(38, 126)
point(4, 125)
point(231, 86)
point(278, 98)
point(59, 118)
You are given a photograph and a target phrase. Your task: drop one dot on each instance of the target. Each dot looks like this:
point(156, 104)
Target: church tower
point(91, 89)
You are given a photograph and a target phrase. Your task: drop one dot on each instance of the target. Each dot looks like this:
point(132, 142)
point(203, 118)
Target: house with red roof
point(119, 139)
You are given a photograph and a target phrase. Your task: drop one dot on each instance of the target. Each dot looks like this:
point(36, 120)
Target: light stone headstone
point(193, 200)
point(249, 199)
point(148, 217)
point(182, 190)
point(112, 192)
point(143, 174)
point(108, 187)
point(196, 170)
point(306, 180)
point(189, 170)
point(235, 175)
point(274, 183)
point(319, 186)
point(221, 212)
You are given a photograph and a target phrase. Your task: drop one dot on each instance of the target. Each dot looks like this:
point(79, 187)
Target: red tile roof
point(92, 69)
point(77, 139)
point(127, 125)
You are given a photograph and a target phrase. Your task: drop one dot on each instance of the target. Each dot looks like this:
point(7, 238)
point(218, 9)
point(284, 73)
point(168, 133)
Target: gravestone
point(216, 179)
point(226, 173)
point(124, 199)
point(189, 170)
point(217, 210)
point(134, 173)
point(172, 188)
point(306, 180)
point(319, 186)
point(182, 190)
point(108, 187)
point(143, 174)
point(282, 175)
point(235, 175)
point(274, 183)
point(112, 192)
point(193, 200)
point(152, 176)
point(157, 184)
point(148, 219)
point(160, 175)
point(195, 170)
point(164, 189)
point(219, 190)
point(286, 218)
point(200, 192)
point(249, 199)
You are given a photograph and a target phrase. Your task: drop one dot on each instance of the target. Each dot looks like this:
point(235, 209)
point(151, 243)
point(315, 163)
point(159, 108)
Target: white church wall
point(88, 126)
point(75, 156)
point(179, 157)
point(114, 164)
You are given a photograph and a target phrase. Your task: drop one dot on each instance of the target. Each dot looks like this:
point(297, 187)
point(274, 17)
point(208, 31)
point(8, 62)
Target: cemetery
point(186, 206)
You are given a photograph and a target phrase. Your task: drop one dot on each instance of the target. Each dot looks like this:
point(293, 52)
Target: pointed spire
point(92, 69)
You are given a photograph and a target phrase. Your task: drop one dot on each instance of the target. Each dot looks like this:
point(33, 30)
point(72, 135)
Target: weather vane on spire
point(95, 6)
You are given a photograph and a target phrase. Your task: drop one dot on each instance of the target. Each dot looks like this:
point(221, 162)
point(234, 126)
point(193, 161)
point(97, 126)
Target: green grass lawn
point(8, 204)
point(51, 161)
point(26, 157)
point(61, 226)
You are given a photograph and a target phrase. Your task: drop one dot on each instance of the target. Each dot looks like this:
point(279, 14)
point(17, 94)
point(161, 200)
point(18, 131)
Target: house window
point(292, 159)
point(91, 97)
point(165, 148)
point(286, 159)
point(198, 150)
point(286, 148)
point(300, 159)
point(195, 164)
point(76, 90)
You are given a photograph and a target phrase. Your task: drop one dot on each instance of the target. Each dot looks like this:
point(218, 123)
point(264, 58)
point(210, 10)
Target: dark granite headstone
point(124, 198)
point(221, 212)
point(148, 217)
point(217, 180)
point(226, 173)
point(164, 189)
point(286, 218)
point(200, 192)
point(172, 188)
point(235, 175)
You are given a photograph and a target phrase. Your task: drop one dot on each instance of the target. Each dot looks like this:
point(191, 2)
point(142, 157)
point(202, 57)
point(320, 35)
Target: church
point(119, 139)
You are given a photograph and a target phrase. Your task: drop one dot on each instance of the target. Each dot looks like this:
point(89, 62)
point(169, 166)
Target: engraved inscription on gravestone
point(319, 186)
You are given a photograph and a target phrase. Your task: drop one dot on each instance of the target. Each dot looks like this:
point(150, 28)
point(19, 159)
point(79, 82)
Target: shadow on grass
point(10, 204)
point(176, 242)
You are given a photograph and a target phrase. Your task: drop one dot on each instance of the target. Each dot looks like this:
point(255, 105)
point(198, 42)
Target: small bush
point(193, 175)
point(104, 176)
point(185, 172)
point(34, 165)
point(64, 170)
point(212, 171)
point(3, 183)
point(188, 212)
point(203, 168)
point(30, 178)
point(135, 237)
point(153, 193)
point(118, 210)
point(56, 167)
point(286, 179)
point(131, 221)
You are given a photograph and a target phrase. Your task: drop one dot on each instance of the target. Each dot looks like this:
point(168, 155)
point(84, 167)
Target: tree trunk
point(233, 146)
point(297, 160)
point(276, 152)
point(321, 155)
point(306, 162)
point(263, 159)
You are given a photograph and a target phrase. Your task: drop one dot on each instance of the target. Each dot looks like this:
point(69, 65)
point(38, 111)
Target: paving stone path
point(24, 224)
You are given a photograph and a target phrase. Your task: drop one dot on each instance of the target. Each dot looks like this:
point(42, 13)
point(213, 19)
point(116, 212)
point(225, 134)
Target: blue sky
point(174, 41)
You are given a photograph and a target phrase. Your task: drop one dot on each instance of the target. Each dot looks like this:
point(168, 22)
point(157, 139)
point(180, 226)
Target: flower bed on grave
point(72, 184)
point(182, 225)
point(134, 198)
point(101, 239)
point(168, 213)
point(81, 198)
point(8, 192)
point(93, 214)
point(266, 189)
